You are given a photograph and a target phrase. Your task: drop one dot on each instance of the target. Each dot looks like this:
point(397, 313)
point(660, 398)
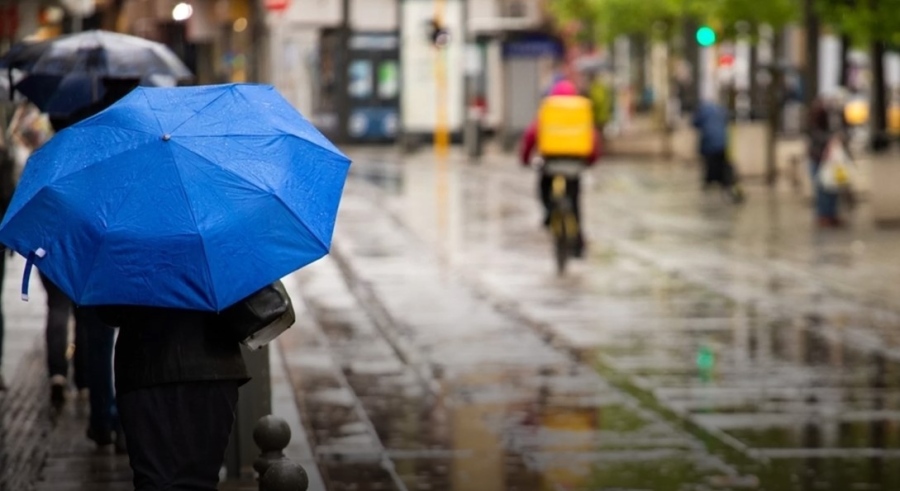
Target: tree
point(870, 23)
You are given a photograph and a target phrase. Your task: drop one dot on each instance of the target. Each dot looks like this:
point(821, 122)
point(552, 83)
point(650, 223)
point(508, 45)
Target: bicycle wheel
point(561, 242)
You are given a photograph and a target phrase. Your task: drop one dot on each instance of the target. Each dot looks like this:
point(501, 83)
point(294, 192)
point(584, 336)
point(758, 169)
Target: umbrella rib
point(198, 111)
point(155, 115)
point(269, 192)
point(103, 238)
point(212, 286)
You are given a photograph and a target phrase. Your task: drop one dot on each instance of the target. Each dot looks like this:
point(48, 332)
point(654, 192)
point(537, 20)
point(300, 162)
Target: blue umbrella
point(187, 197)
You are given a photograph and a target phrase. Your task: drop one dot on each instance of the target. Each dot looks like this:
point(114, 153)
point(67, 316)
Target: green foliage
point(776, 13)
point(612, 18)
point(863, 20)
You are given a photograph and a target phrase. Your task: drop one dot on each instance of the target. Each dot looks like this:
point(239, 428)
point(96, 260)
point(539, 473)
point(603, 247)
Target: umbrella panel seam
point(268, 191)
point(190, 207)
point(198, 111)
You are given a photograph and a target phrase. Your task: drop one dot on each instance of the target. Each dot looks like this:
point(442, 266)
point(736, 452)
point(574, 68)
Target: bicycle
point(563, 225)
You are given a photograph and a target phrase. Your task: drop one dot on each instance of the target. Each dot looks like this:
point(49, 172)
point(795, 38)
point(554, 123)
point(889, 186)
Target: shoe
point(100, 437)
point(57, 391)
point(578, 250)
point(546, 222)
point(830, 222)
point(121, 446)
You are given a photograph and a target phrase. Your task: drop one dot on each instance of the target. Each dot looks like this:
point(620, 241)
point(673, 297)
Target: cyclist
point(563, 88)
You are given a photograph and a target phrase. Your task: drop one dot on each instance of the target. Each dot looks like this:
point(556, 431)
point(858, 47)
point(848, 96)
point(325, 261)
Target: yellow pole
point(441, 131)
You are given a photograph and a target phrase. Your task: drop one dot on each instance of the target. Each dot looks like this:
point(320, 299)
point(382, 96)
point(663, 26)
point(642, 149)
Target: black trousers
point(718, 170)
point(177, 433)
point(59, 308)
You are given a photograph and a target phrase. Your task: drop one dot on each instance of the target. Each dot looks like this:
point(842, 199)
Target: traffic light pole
point(441, 130)
point(441, 127)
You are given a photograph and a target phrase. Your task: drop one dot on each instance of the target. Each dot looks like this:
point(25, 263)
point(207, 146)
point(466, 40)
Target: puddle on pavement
point(545, 428)
point(819, 408)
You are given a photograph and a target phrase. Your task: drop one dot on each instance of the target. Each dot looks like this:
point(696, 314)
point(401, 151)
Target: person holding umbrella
point(72, 78)
point(180, 204)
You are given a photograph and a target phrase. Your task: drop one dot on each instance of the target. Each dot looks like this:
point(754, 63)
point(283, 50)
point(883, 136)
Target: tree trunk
point(844, 73)
point(691, 95)
point(811, 85)
point(773, 112)
point(755, 103)
point(639, 64)
point(879, 98)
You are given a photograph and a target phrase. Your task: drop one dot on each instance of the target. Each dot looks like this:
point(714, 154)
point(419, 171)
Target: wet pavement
point(700, 346)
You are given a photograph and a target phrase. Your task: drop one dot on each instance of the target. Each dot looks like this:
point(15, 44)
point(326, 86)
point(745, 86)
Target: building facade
point(387, 80)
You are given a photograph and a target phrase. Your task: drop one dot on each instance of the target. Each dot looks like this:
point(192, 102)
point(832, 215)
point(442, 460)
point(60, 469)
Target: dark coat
point(711, 121)
point(162, 346)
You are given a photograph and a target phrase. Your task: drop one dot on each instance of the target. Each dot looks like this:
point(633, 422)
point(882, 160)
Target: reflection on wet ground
point(456, 359)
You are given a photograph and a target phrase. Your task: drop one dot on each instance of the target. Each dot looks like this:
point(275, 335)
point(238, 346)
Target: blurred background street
point(702, 343)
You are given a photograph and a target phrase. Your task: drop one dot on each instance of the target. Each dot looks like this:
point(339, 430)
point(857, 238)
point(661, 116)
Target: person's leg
point(57, 337)
point(829, 206)
point(177, 433)
point(825, 201)
point(708, 164)
point(573, 190)
point(99, 343)
point(2, 275)
point(80, 368)
point(545, 183)
point(717, 169)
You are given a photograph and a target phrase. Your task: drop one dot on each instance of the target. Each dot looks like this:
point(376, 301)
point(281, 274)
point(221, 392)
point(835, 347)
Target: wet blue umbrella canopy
point(187, 197)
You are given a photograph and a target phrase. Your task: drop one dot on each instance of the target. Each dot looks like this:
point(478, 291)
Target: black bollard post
point(284, 475)
point(272, 435)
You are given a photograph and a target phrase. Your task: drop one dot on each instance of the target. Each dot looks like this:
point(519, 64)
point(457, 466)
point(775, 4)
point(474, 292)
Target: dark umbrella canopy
point(102, 53)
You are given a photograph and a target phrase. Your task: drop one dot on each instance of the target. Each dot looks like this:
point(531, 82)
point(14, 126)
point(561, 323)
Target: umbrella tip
point(166, 137)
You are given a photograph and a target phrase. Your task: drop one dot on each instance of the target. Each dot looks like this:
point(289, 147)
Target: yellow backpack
point(565, 127)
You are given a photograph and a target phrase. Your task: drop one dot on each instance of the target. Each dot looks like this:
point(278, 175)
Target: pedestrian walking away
point(712, 122)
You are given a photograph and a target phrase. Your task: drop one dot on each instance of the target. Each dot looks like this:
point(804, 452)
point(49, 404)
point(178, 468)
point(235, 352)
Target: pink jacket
point(529, 140)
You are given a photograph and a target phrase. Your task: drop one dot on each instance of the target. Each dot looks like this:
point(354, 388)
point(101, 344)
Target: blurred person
point(7, 187)
point(94, 340)
point(822, 126)
point(530, 141)
point(711, 121)
point(28, 131)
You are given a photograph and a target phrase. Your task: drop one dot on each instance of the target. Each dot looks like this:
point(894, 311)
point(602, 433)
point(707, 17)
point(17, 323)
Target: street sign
point(276, 5)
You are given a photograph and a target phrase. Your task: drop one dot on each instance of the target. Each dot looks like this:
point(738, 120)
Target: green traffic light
point(706, 36)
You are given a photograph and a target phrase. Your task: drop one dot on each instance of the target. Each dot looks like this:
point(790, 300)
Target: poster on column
point(418, 59)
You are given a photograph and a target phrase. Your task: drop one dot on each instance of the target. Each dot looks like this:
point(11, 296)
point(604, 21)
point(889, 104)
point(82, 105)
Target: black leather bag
point(261, 317)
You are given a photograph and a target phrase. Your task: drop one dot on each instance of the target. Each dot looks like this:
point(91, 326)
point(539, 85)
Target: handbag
point(837, 170)
point(261, 317)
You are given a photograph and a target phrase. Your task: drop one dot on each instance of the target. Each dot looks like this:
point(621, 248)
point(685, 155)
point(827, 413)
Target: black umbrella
point(58, 70)
point(103, 53)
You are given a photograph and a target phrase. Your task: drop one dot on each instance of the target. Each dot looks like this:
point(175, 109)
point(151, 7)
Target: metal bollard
point(272, 435)
point(284, 475)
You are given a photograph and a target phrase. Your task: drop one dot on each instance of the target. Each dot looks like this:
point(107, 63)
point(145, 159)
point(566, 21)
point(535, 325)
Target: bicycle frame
point(563, 223)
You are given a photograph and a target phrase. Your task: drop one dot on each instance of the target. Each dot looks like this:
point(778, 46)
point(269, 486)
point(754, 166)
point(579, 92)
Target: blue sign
point(533, 48)
point(373, 123)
